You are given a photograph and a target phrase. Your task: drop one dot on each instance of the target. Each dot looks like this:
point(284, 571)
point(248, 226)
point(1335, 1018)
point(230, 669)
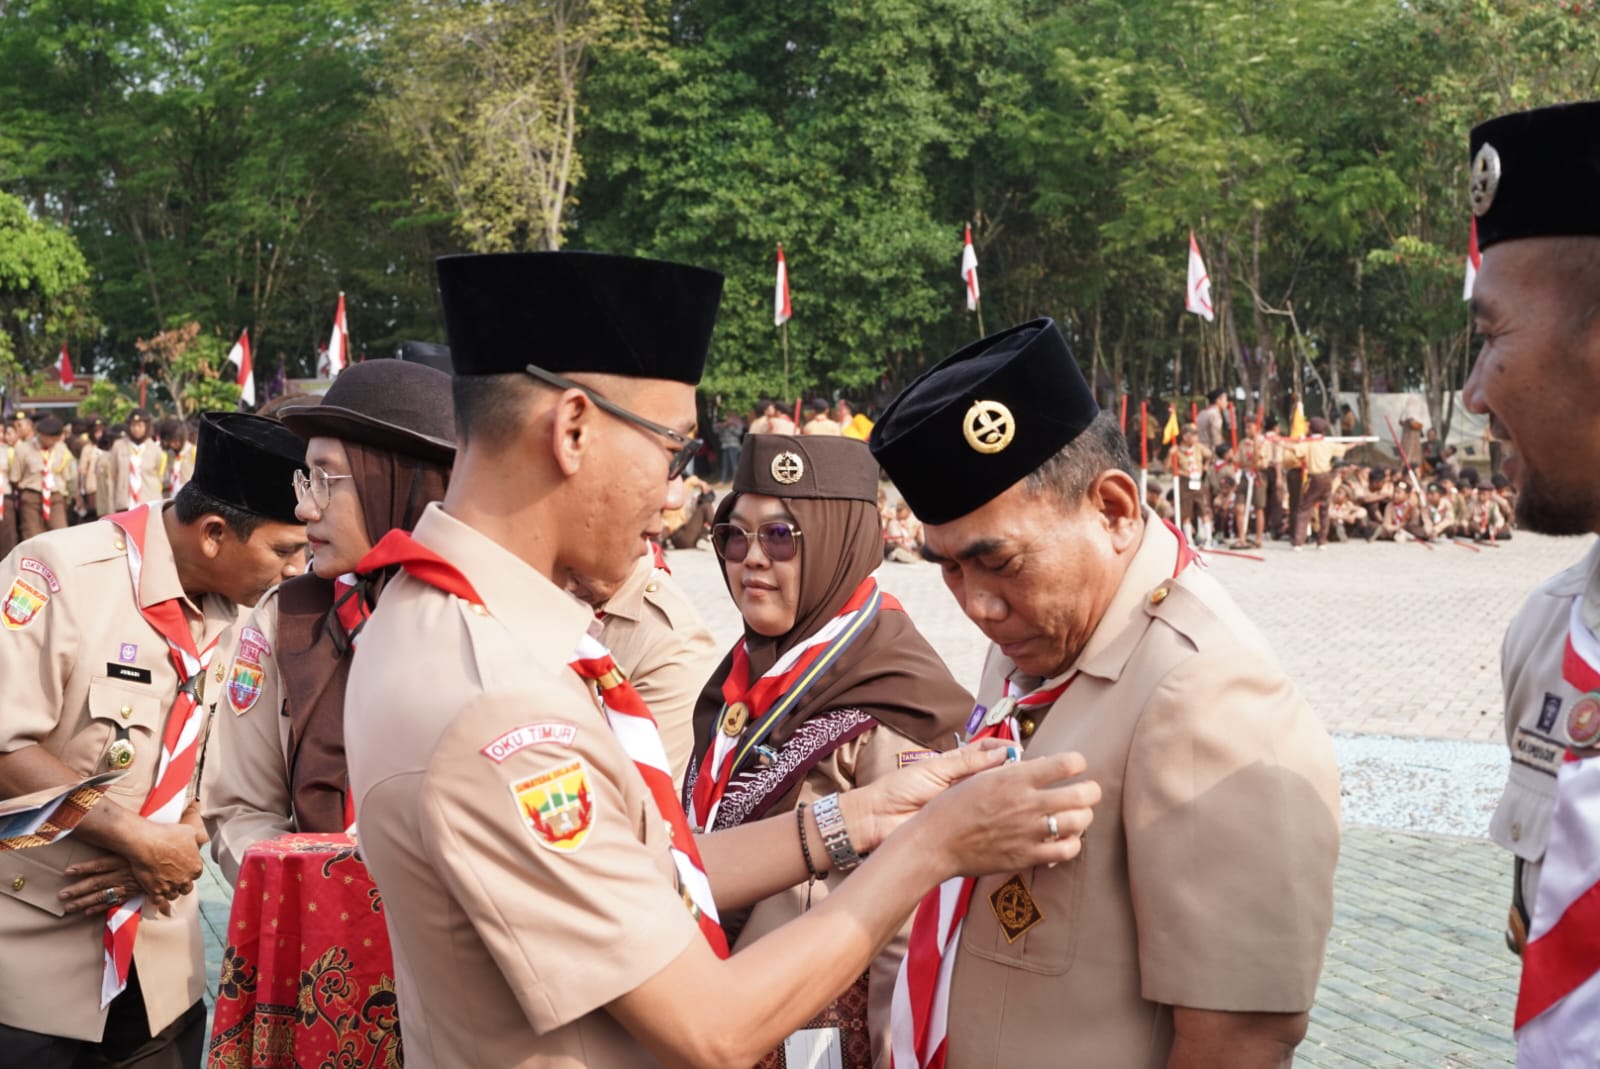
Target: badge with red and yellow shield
point(556, 807)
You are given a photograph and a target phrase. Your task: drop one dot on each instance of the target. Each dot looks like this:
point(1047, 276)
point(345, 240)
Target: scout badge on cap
point(988, 426)
point(806, 466)
point(556, 807)
point(787, 468)
point(1485, 179)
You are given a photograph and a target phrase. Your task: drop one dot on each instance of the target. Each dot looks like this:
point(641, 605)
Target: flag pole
point(784, 332)
point(978, 307)
point(1144, 450)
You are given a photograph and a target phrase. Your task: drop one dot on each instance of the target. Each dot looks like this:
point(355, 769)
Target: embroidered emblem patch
point(1583, 722)
point(128, 653)
point(1548, 712)
point(545, 733)
point(556, 807)
point(1015, 908)
point(23, 602)
point(42, 570)
point(245, 676)
point(1537, 752)
point(911, 757)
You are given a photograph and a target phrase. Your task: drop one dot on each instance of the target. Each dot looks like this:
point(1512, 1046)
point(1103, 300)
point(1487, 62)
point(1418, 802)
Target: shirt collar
point(628, 602)
point(513, 592)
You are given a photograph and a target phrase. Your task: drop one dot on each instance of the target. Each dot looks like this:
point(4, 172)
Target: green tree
point(44, 297)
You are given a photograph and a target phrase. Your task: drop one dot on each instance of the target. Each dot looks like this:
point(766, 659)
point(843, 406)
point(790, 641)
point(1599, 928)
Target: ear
point(213, 534)
point(572, 431)
point(1115, 495)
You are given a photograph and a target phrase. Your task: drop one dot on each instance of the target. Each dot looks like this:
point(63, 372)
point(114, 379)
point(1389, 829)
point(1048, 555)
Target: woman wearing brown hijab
point(831, 687)
point(379, 449)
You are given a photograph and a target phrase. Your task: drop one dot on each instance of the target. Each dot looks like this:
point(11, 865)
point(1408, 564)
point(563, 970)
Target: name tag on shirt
point(1535, 751)
point(128, 672)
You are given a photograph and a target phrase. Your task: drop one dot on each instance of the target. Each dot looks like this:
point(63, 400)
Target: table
point(308, 977)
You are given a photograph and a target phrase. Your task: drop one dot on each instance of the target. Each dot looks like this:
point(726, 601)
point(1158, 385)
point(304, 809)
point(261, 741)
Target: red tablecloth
point(307, 978)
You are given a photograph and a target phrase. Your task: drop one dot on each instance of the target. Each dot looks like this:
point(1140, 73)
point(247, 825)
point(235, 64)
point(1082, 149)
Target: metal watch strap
point(830, 822)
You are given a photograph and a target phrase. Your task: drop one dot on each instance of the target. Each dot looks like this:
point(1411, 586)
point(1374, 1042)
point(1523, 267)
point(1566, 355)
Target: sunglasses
point(686, 447)
point(780, 541)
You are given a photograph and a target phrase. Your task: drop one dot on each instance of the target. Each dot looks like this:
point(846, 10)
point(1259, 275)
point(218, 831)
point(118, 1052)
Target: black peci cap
point(967, 430)
point(249, 462)
point(572, 312)
point(1534, 174)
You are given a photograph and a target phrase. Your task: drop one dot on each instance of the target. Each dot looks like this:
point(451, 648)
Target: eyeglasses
point(687, 447)
point(780, 541)
point(316, 485)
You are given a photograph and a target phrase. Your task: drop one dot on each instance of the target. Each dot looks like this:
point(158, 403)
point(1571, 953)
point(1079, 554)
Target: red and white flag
point(337, 355)
point(1474, 261)
point(64, 368)
point(781, 311)
point(1558, 1000)
point(1197, 297)
point(240, 356)
point(969, 270)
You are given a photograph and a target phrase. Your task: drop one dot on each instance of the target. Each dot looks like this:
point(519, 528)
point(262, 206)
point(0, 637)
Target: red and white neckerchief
point(174, 473)
point(769, 699)
point(136, 472)
point(49, 484)
point(626, 713)
point(350, 605)
point(180, 742)
point(1558, 999)
point(660, 556)
point(919, 1015)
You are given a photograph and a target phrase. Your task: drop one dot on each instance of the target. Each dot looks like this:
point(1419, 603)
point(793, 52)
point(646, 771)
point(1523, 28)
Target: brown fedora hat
point(392, 404)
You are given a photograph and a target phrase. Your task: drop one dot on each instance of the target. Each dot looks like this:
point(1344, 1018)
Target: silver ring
point(113, 896)
point(1052, 830)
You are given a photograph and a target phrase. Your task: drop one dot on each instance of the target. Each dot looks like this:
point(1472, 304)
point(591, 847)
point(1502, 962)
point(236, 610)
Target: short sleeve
point(555, 854)
point(37, 640)
point(1230, 807)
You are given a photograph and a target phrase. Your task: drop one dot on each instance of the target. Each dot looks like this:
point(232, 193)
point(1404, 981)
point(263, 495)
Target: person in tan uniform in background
point(1316, 456)
point(772, 420)
point(821, 422)
point(1191, 929)
point(88, 488)
point(42, 467)
point(546, 903)
point(799, 542)
point(661, 642)
point(1189, 463)
point(136, 453)
point(8, 497)
point(379, 448)
point(89, 686)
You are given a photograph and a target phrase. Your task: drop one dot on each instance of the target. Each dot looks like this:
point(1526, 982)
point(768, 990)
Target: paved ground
point(1385, 641)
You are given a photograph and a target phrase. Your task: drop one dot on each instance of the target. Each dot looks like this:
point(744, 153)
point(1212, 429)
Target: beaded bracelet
point(805, 847)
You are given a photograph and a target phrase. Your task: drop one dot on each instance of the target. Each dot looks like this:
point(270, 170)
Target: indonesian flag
point(969, 270)
point(240, 356)
point(64, 367)
point(1474, 261)
point(1197, 298)
point(781, 312)
point(1558, 1000)
point(337, 355)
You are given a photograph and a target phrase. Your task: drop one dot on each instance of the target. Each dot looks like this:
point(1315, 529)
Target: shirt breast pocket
point(1029, 920)
point(125, 729)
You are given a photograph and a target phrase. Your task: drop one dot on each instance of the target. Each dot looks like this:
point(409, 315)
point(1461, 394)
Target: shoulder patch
point(42, 570)
point(246, 675)
point(23, 602)
point(544, 733)
point(555, 806)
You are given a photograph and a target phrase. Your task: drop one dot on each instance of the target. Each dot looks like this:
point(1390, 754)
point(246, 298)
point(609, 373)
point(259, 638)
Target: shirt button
point(480, 610)
point(651, 588)
point(1516, 831)
point(1026, 726)
point(119, 545)
point(127, 711)
point(1158, 595)
point(18, 884)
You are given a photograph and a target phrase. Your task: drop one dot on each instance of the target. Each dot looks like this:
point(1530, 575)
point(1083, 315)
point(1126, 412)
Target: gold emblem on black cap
point(787, 468)
point(1485, 178)
point(989, 426)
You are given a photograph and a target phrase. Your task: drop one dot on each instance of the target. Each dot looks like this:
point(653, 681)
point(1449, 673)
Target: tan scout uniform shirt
point(1316, 454)
point(779, 424)
point(150, 457)
point(28, 465)
point(1212, 428)
point(245, 796)
point(665, 649)
point(1537, 703)
point(1207, 878)
point(81, 667)
point(865, 759)
point(88, 469)
point(821, 425)
point(507, 946)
